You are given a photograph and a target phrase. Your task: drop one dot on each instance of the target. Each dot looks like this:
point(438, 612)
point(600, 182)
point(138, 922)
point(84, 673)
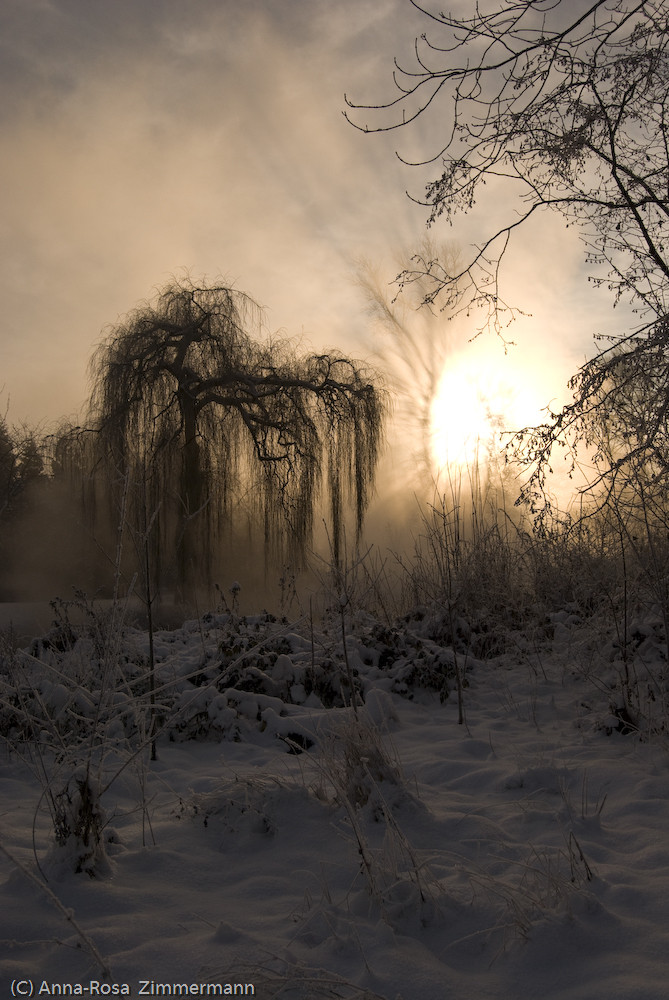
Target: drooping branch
point(193, 401)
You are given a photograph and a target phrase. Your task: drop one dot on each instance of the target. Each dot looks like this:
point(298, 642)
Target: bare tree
point(22, 465)
point(7, 467)
point(619, 415)
point(566, 107)
point(192, 404)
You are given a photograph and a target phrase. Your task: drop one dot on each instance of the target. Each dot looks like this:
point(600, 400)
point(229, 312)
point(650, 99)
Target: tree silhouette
point(566, 107)
point(193, 405)
point(7, 467)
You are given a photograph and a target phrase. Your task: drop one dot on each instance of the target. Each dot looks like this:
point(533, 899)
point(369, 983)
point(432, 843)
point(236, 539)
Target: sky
point(142, 139)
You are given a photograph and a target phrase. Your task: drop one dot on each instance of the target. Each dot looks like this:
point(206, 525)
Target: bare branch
point(570, 105)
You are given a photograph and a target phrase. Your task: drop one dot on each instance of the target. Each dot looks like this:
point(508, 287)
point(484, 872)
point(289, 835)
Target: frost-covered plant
point(356, 761)
point(362, 777)
point(533, 888)
point(79, 821)
point(285, 980)
point(75, 706)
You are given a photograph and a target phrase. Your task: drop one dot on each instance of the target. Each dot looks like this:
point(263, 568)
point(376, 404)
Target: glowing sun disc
point(475, 401)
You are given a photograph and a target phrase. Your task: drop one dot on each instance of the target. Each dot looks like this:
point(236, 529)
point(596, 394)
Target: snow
point(277, 840)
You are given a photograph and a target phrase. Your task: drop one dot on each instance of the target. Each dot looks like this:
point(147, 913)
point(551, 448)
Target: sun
point(477, 399)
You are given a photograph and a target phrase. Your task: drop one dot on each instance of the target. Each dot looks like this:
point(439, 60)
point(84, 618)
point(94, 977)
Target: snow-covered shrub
point(250, 805)
point(74, 705)
point(356, 762)
point(78, 822)
point(358, 774)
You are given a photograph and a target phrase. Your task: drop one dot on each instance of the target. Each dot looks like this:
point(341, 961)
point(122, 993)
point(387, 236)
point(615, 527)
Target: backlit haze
point(142, 139)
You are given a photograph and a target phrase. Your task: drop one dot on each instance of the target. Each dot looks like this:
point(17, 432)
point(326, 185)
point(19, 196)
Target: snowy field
point(279, 841)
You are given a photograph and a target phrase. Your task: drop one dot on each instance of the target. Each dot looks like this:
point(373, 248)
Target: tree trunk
point(192, 557)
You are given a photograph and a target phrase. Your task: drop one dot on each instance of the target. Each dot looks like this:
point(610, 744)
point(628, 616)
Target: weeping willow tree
point(201, 415)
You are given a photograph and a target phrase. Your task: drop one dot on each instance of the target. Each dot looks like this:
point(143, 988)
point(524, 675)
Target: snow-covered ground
point(278, 841)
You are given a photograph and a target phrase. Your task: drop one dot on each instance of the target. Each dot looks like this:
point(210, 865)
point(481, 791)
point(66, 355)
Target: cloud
point(142, 138)
point(139, 139)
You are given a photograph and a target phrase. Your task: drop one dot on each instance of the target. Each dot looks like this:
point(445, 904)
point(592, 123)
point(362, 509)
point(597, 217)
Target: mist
point(139, 143)
point(142, 141)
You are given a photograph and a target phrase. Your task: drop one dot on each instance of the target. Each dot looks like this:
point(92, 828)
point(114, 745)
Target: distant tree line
point(22, 466)
point(40, 529)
